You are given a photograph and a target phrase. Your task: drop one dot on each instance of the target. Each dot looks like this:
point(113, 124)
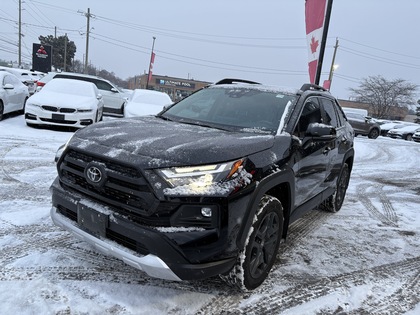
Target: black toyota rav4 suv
point(210, 185)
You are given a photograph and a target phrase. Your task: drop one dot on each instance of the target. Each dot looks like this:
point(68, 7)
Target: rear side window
point(330, 115)
point(101, 85)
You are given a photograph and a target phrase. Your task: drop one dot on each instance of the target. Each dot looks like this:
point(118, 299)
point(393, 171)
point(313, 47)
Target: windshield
point(235, 108)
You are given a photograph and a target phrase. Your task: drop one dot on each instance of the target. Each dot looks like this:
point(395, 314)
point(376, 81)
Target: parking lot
point(364, 259)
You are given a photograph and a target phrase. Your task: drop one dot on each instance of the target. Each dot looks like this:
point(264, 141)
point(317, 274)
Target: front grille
point(125, 187)
point(67, 110)
point(67, 122)
point(56, 109)
point(127, 242)
point(50, 108)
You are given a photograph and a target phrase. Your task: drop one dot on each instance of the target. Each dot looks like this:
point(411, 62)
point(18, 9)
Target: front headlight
point(205, 179)
point(33, 104)
point(61, 149)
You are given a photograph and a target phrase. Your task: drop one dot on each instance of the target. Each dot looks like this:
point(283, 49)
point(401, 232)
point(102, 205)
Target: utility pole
point(20, 34)
point(65, 52)
point(333, 63)
point(88, 16)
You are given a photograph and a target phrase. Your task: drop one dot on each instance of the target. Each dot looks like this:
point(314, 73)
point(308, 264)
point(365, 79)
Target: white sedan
point(13, 94)
point(405, 133)
point(65, 102)
point(146, 102)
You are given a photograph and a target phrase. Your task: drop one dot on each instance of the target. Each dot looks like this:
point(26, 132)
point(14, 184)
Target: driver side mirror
point(320, 132)
point(8, 86)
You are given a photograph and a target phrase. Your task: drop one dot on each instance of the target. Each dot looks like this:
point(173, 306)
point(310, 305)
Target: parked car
point(363, 125)
point(114, 98)
point(405, 132)
point(210, 185)
point(65, 102)
point(13, 94)
point(146, 102)
point(416, 136)
point(24, 76)
point(394, 125)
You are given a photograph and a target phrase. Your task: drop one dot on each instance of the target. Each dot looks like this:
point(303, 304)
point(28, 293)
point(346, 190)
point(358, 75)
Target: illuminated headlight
point(200, 177)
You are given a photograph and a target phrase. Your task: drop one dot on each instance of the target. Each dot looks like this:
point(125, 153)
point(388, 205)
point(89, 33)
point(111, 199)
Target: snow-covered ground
point(364, 259)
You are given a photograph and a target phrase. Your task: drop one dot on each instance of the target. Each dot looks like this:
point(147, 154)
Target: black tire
point(335, 201)
point(256, 259)
point(1, 110)
point(373, 134)
point(22, 111)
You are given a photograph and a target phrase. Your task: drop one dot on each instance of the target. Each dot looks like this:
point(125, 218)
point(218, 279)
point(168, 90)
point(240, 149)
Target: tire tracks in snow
point(366, 192)
point(399, 301)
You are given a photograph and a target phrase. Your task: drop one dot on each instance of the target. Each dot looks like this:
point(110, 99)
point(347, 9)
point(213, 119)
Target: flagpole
point(323, 41)
point(150, 64)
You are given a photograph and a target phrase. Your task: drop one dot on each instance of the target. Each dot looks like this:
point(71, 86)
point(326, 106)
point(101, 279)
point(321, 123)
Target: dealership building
point(176, 88)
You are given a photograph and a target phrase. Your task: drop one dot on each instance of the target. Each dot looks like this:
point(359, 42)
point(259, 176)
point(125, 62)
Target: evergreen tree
point(58, 47)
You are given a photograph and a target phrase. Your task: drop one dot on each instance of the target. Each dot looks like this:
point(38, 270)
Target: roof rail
point(231, 81)
point(309, 86)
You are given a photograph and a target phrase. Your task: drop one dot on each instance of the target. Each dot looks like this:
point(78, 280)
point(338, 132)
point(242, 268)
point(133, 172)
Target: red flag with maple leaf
point(152, 61)
point(315, 11)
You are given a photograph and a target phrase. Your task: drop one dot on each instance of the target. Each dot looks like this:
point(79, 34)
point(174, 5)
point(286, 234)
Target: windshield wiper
point(163, 117)
point(196, 123)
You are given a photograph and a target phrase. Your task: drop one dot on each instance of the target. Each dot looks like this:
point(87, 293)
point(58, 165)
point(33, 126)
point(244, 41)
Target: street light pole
point(150, 64)
point(333, 65)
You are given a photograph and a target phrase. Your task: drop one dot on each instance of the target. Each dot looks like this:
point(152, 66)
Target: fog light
point(206, 212)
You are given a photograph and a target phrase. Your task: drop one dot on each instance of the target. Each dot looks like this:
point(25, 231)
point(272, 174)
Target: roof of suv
point(255, 85)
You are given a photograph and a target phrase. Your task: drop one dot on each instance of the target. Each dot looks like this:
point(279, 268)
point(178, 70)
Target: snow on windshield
point(70, 86)
point(248, 109)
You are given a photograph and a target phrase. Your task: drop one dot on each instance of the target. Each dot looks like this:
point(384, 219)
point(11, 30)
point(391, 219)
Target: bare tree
point(384, 95)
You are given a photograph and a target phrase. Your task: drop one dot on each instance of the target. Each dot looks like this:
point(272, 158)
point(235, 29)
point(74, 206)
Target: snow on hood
point(61, 99)
point(152, 142)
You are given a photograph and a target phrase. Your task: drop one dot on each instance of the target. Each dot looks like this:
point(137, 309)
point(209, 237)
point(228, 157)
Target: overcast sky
point(260, 40)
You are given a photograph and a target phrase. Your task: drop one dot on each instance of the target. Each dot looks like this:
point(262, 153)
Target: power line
point(380, 59)
point(379, 49)
point(216, 65)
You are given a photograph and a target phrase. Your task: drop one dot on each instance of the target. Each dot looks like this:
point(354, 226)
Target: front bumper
point(38, 116)
point(157, 253)
point(150, 264)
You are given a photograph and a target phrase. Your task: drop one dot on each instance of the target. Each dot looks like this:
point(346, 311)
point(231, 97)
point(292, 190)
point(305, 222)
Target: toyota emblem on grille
point(94, 174)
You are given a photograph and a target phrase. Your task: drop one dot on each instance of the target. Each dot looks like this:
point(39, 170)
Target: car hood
point(60, 99)
point(151, 142)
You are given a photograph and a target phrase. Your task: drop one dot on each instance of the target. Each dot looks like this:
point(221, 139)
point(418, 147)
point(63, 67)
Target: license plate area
point(58, 117)
point(91, 220)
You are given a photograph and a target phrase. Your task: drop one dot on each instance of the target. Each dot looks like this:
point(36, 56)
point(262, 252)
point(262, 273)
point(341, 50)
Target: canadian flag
point(152, 60)
point(315, 11)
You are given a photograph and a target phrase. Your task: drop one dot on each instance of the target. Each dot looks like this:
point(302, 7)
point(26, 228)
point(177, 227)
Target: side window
point(311, 113)
point(11, 79)
point(330, 116)
point(340, 114)
point(103, 85)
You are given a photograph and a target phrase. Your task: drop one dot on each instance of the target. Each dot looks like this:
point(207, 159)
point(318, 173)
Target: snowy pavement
point(364, 259)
